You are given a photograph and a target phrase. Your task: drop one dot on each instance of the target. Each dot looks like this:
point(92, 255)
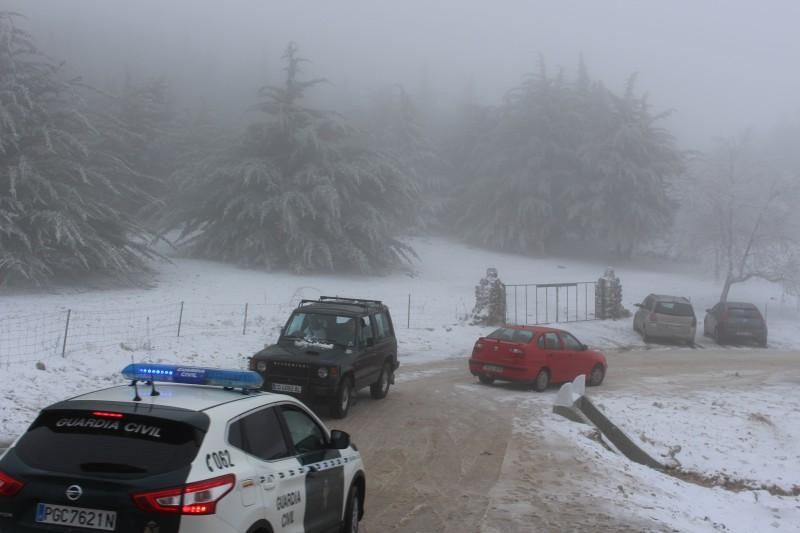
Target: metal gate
point(530, 304)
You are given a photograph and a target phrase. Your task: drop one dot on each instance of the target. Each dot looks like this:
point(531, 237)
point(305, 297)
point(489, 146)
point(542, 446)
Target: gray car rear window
point(674, 309)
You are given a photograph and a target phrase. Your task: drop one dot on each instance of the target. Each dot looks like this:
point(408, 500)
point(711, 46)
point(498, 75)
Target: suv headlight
point(322, 372)
point(261, 366)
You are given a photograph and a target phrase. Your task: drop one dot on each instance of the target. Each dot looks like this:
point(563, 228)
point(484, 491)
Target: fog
point(722, 65)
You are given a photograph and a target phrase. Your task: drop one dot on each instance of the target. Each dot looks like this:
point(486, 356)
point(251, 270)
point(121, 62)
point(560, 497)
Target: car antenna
point(136, 397)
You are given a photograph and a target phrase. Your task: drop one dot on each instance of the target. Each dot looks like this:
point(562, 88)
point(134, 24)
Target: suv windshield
point(87, 442)
point(322, 328)
point(674, 309)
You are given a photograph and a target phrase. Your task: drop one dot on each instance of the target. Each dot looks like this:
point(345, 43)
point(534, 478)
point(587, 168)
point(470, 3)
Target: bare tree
point(744, 213)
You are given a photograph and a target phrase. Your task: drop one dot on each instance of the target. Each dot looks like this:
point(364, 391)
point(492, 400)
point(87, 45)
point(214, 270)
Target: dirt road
point(443, 455)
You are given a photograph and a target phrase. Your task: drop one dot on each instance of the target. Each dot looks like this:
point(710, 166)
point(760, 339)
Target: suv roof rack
point(341, 300)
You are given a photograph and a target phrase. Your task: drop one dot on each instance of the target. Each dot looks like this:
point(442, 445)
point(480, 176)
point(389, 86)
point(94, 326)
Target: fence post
point(408, 315)
point(244, 327)
point(180, 319)
point(66, 332)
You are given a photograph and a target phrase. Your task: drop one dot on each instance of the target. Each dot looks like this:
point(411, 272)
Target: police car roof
point(191, 397)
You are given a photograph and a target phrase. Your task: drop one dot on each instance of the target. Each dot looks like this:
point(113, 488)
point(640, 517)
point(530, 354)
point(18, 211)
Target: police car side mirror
point(339, 440)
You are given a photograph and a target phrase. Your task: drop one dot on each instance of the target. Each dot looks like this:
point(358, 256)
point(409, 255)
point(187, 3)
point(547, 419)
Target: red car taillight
point(199, 498)
point(9, 486)
point(478, 347)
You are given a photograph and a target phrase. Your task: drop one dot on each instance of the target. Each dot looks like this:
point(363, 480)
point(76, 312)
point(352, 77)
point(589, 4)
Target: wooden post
point(180, 319)
point(66, 332)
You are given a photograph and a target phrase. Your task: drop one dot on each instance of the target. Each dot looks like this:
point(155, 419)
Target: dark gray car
point(734, 322)
point(666, 317)
point(329, 349)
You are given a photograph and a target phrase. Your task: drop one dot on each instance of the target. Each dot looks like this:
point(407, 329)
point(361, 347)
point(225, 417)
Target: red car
point(536, 355)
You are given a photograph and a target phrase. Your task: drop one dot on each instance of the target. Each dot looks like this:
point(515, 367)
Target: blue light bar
point(238, 379)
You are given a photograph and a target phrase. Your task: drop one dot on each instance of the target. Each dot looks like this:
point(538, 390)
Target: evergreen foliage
point(299, 190)
point(564, 161)
point(58, 185)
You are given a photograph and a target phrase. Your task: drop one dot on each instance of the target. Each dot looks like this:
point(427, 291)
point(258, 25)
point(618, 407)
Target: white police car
point(181, 457)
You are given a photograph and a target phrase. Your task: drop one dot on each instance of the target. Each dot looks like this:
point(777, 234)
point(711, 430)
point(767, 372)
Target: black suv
point(329, 349)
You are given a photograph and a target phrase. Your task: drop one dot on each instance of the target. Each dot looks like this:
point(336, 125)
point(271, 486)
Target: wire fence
point(71, 332)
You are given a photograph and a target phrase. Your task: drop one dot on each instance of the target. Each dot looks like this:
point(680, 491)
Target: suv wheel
point(380, 388)
point(344, 397)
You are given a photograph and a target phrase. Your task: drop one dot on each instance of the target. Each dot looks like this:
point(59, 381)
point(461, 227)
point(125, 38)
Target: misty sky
point(723, 65)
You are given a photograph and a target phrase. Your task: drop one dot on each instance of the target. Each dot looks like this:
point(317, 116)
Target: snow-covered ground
point(111, 327)
point(746, 434)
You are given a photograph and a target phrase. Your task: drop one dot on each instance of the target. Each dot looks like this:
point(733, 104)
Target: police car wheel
point(351, 512)
point(341, 403)
point(380, 388)
point(486, 380)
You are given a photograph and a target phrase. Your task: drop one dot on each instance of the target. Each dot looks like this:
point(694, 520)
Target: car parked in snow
point(735, 322)
point(536, 355)
point(665, 317)
point(329, 349)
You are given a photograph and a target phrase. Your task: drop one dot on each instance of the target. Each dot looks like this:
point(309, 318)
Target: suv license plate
point(284, 387)
point(64, 515)
point(492, 368)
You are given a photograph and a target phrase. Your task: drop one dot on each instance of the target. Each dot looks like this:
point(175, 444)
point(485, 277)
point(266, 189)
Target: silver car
point(666, 318)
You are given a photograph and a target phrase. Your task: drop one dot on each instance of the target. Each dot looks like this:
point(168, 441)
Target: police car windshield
point(108, 444)
point(322, 328)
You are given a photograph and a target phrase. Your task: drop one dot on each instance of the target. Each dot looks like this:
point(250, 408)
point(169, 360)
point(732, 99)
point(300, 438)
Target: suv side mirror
point(584, 347)
point(637, 305)
point(340, 440)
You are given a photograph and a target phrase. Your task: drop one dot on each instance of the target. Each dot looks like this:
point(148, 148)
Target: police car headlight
point(323, 373)
point(261, 366)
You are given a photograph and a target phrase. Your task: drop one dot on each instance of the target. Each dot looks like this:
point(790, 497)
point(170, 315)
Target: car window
point(674, 309)
point(570, 342)
point(78, 442)
point(383, 326)
point(540, 342)
point(366, 329)
point(259, 434)
point(744, 312)
point(522, 336)
point(551, 341)
point(503, 334)
point(305, 433)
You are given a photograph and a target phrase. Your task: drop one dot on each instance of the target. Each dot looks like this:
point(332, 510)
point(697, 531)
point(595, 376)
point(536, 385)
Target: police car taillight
point(199, 498)
point(106, 414)
point(9, 486)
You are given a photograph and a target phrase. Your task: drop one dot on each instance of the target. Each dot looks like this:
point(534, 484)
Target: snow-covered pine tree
point(627, 162)
point(56, 189)
point(395, 126)
point(300, 190)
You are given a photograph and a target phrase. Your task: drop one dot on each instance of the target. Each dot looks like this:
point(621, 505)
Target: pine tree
point(568, 162)
point(299, 191)
point(57, 187)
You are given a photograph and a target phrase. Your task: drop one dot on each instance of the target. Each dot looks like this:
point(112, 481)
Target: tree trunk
point(726, 288)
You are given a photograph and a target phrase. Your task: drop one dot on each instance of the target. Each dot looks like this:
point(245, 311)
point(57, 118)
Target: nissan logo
point(74, 492)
